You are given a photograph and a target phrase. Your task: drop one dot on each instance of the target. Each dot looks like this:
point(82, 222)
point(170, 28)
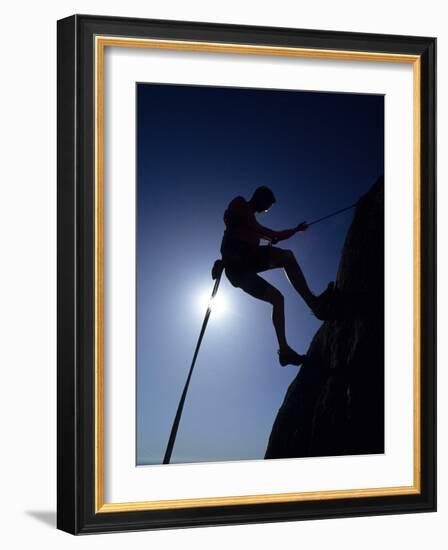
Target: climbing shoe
point(323, 309)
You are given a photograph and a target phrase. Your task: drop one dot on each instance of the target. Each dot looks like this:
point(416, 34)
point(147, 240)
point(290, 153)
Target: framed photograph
point(246, 274)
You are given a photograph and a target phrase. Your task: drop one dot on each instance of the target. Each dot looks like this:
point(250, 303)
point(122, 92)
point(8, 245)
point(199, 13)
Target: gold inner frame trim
point(101, 42)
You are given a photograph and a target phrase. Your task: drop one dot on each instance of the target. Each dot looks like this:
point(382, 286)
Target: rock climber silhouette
point(243, 258)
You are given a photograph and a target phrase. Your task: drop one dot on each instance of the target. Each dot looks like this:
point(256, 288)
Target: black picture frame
point(76, 473)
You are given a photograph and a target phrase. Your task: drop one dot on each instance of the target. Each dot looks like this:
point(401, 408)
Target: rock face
point(335, 405)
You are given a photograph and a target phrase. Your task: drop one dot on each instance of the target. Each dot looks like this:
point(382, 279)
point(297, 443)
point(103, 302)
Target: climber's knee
point(274, 297)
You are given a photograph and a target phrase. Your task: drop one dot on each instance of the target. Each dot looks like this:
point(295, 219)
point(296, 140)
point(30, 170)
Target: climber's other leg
point(259, 288)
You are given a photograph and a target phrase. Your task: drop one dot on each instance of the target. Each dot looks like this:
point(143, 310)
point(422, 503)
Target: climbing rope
point(216, 273)
point(332, 214)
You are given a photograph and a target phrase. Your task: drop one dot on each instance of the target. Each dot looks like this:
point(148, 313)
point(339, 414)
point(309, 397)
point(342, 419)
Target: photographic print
point(259, 274)
point(246, 274)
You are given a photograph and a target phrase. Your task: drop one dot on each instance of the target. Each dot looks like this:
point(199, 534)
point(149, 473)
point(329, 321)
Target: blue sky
point(197, 148)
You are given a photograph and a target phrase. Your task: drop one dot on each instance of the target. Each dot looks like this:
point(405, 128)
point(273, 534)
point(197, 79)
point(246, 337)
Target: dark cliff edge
point(335, 405)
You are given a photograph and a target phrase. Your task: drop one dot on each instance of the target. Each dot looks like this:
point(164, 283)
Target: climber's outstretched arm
point(277, 236)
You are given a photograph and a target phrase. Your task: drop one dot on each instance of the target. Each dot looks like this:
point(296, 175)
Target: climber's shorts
point(243, 271)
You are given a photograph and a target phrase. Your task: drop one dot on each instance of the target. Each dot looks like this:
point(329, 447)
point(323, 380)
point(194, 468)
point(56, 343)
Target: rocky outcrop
point(335, 405)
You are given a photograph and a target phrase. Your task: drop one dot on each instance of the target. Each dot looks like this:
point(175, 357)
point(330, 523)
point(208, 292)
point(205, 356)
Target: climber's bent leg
point(259, 288)
point(275, 298)
point(271, 257)
point(279, 257)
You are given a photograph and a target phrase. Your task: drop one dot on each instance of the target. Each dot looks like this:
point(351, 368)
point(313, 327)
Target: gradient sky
point(197, 148)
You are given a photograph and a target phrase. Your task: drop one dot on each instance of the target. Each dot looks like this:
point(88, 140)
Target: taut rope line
point(169, 448)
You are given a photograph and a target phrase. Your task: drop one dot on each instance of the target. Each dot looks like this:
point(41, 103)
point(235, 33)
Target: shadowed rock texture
point(335, 405)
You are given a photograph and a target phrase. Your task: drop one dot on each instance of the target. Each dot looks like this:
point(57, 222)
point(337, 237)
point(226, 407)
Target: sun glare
point(218, 304)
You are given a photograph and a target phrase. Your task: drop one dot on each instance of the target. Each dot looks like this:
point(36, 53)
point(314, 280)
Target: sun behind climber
point(243, 258)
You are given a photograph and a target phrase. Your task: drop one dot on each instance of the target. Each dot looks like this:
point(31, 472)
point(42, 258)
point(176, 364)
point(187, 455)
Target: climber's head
point(262, 199)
